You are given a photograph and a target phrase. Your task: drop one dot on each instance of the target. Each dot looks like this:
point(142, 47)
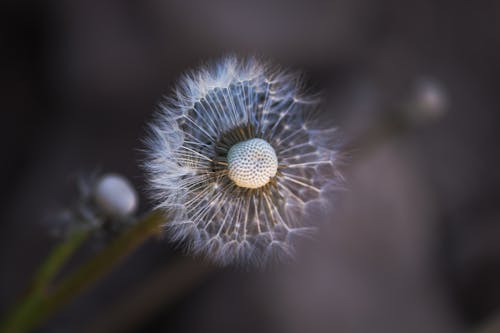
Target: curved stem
point(57, 259)
point(39, 308)
point(52, 265)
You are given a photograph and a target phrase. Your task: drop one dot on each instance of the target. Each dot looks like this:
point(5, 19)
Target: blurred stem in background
point(158, 290)
point(39, 289)
point(491, 325)
point(41, 303)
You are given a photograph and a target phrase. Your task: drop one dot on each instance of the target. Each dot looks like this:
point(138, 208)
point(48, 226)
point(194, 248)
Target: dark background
point(413, 245)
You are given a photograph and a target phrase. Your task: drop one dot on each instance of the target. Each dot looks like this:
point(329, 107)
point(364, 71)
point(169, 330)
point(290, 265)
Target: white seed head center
point(252, 163)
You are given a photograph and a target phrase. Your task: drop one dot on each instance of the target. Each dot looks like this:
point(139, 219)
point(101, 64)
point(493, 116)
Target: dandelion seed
point(236, 159)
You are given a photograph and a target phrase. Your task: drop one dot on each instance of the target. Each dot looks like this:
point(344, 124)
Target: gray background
point(412, 246)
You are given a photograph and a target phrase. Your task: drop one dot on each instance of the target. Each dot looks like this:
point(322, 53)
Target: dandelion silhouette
point(237, 159)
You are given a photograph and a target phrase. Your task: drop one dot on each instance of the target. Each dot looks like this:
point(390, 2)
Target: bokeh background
point(412, 245)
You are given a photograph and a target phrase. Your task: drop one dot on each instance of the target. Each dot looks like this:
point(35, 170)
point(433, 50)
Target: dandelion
point(103, 203)
point(115, 196)
point(429, 100)
point(238, 161)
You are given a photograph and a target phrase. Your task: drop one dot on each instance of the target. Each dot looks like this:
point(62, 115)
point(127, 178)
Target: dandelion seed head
point(252, 163)
point(104, 204)
point(237, 159)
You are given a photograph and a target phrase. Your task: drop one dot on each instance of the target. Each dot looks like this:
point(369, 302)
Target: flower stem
point(56, 259)
point(43, 277)
point(43, 305)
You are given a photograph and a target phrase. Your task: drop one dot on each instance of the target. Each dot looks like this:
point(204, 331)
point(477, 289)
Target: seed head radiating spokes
point(236, 160)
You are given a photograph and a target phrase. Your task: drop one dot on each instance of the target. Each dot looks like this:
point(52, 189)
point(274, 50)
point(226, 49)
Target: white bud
point(115, 195)
point(252, 163)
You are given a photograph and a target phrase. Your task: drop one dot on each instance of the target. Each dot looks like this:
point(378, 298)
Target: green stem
point(57, 258)
point(40, 285)
point(43, 306)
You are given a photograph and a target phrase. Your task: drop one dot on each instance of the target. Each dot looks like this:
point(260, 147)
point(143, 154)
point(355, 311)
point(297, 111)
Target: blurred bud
point(103, 203)
point(428, 100)
point(115, 195)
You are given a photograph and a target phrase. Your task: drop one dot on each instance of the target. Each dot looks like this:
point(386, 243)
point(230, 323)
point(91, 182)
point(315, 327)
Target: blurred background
point(413, 245)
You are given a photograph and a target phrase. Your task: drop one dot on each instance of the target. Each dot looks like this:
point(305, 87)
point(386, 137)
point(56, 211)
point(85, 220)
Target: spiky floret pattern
point(213, 109)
